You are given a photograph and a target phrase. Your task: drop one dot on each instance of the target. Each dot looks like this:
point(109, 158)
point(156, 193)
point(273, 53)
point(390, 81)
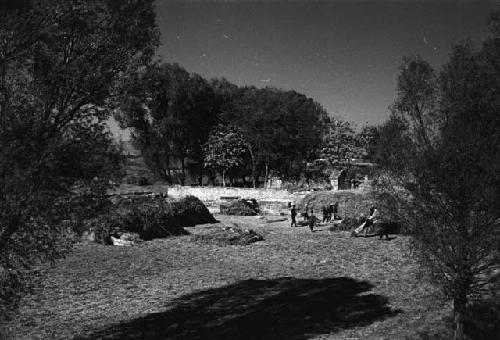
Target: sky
point(343, 54)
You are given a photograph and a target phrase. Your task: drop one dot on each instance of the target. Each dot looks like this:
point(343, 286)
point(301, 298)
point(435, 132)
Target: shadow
point(283, 308)
point(389, 238)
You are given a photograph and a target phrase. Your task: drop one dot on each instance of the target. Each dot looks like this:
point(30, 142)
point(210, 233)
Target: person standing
point(335, 211)
point(311, 221)
point(293, 214)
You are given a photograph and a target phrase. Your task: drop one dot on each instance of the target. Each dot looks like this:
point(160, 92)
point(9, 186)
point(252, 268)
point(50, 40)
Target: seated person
point(372, 219)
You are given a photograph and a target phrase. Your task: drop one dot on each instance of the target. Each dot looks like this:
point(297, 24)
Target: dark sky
point(345, 55)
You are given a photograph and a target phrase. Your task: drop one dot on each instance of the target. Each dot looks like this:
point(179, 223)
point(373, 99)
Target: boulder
point(126, 239)
point(241, 207)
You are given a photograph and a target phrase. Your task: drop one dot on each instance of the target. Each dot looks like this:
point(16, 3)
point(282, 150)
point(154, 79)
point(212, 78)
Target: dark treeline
point(173, 113)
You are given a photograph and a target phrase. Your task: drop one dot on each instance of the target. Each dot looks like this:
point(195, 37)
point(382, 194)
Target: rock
point(88, 236)
point(126, 239)
point(240, 207)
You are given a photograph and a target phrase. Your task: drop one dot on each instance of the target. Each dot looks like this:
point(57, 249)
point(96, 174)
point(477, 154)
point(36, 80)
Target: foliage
point(225, 149)
point(444, 183)
point(60, 67)
point(105, 226)
point(339, 142)
point(171, 113)
point(284, 128)
point(367, 140)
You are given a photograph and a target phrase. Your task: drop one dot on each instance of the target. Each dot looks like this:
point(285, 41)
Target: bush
point(12, 285)
point(105, 226)
point(241, 207)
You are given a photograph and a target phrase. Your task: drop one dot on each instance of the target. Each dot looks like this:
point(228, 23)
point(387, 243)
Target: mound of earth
point(229, 237)
point(351, 204)
point(150, 217)
point(241, 207)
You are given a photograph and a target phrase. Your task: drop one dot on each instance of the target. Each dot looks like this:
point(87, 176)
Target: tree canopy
point(61, 65)
point(225, 149)
point(172, 113)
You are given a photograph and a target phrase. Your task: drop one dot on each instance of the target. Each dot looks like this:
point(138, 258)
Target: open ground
point(293, 285)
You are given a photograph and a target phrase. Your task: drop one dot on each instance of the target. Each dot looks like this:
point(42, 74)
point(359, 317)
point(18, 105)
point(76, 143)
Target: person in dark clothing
point(293, 214)
point(329, 213)
point(311, 221)
point(335, 210)
point(325, 211)
point(305, 214)
point(383, 230)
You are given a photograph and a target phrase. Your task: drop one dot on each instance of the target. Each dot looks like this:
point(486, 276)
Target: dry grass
point(103, 291)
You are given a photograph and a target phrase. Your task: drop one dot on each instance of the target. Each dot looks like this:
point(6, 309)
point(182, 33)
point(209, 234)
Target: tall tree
point(171, 113)
point(284, 128)
point(61, 63)
point(445, 182)
point(339, 142)
point(225, 149)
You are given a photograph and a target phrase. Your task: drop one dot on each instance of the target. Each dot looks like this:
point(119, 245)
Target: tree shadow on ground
point(283, 308)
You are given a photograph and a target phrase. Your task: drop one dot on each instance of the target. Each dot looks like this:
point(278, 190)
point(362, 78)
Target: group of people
point(332, 212)
point(329, 212)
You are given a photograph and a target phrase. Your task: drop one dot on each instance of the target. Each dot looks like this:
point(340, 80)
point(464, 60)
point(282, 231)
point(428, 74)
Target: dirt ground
point(293, 285)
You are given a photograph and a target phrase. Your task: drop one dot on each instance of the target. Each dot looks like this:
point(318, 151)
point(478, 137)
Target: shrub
point(105, 226)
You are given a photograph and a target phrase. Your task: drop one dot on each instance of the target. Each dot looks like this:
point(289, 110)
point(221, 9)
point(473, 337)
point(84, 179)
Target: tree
point(61, 64)
point(284, 128)
point(367, 140)
point(225, 149)
point(445, 181)
point(339, 142)
point(171, 113)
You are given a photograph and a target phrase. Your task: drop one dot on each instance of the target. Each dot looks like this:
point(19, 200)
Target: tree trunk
point(223, 179)
point(265, 178)
point(459, 306)
point(183, 175)
point(212, 176)
point(168, 173)
point(253, 165)
point(200, 174)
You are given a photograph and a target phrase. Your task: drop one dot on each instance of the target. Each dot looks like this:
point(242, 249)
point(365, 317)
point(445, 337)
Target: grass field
point(293, 285)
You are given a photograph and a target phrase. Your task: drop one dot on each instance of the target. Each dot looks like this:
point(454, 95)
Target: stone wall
point(216, 194)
